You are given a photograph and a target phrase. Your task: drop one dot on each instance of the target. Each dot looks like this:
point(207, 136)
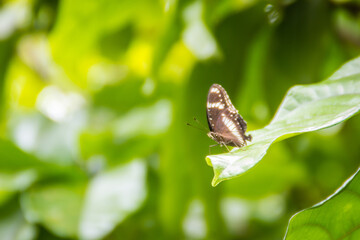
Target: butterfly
point(226, 125)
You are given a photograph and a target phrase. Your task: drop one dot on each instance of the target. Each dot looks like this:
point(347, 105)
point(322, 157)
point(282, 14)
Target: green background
point(95, 97)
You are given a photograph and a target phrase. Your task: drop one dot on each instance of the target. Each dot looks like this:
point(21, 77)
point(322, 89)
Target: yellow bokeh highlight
point(178, 63)
point(139, 58)
point(23, 85)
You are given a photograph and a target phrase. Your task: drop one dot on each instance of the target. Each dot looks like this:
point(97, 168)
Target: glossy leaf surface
point(305, 108)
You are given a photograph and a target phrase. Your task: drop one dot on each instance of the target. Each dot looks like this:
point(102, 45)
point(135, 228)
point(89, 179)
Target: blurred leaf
point(347, 26)
point(57, 206)
point(217, 10)
point(17, 181)
point(114, 44)
point(170, 35)
point(251, 94)
point(6, 47)
point(78, 30)
point(13, 226)
point(149, 121)
point(111, 197)
point(196, 35)
point(299, 49)
point(337, 217)
point(39, 135)
point(305, 108)
point(68, 209)
point(18, 170)
point(11, 183)
point(13, 159)
point(133, 135)
point(117, 97)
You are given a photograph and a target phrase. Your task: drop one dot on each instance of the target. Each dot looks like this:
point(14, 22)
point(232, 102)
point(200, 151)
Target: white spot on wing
point(214, 90)
point(218, 105)
point(231, 126)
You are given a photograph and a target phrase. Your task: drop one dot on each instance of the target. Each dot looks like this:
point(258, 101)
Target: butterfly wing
point(223, 118)
point(230, 129)
point(215, 105)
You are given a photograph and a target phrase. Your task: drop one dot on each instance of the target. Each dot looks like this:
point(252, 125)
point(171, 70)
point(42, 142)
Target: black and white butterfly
point(226, 125)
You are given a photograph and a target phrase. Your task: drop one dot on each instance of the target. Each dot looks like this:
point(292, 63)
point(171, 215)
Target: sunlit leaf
point(117, 99)
point(89, 210)
point(305, 108)
point(111, 197)
point(196, 36)
point(78, 31)
point(38, 135)
point(13, 159)
point(13, 226)
point(18, 170)
point(133, 135)
point(216, 10)
point(18, 181)
point(337, 217)
point(57, 206)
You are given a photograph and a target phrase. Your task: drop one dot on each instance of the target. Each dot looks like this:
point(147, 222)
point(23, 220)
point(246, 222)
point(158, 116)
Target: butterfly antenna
point(201, 129)
point(200, 124)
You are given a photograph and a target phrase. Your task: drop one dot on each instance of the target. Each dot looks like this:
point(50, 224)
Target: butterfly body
point(226, 125)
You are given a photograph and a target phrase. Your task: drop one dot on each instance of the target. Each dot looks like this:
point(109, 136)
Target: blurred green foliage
point(95, 97)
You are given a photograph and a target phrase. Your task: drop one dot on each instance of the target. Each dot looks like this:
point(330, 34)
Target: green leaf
point(57, 206)
point(111, 197)
point(17, 181)
point(12, 159)
point(305, 108)
point(14, 226)
point(19, 170)
point(83, 209)
point(337, 217)
point(75, 19)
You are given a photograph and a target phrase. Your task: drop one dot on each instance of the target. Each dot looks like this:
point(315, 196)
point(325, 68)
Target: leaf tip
point(208, 161)
point(215, 181)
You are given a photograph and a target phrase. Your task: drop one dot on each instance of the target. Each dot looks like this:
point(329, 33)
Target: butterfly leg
point(226, 147)
point(212, 146)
